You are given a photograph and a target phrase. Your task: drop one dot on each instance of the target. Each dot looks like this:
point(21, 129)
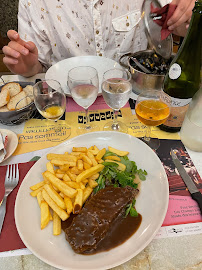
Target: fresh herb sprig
point(110, 175)
point(130, 209)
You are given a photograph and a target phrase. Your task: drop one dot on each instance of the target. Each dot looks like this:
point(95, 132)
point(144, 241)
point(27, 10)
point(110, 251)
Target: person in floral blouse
point(50, 31)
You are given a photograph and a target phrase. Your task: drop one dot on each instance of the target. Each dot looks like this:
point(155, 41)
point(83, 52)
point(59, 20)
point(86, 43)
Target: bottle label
point(178, 110)
point(178, 102)
point(176, 116)
point(175, 71)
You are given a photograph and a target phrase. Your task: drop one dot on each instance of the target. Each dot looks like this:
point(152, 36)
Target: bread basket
point(16, 117)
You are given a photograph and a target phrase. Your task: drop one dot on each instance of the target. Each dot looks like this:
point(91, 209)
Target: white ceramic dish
point(60, 70)
point(12, 142)
point(152, 204)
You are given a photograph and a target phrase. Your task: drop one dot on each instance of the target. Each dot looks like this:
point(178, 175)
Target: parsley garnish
point(130, 209)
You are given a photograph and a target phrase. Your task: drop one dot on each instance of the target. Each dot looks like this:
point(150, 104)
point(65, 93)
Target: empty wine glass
point(116, 90)
point(50, 101)
point(83, 84)
point(152, 109)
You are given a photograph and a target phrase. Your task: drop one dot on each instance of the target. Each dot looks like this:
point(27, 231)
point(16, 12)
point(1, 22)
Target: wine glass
point(50, 101)
point(83, 84)
point(152, 109)
point(116, 90)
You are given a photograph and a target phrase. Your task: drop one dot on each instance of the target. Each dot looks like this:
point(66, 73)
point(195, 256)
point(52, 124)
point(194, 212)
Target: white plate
point(12, 142)
point(60, 70)
point(152, 204)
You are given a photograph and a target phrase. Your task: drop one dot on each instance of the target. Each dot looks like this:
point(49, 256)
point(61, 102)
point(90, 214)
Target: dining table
point(175, 247)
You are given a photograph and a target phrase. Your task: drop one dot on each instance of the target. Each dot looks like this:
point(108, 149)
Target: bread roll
point(4, 109)
point(13, 88)
point(4, 97)
point(29, 92)
point(21, 98)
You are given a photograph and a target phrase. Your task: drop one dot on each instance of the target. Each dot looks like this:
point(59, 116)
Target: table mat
point(9, 237)
point(182, 208)
point(35, 137)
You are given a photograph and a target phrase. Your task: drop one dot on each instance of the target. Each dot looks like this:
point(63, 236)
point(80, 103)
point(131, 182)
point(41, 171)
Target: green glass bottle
point(183, 78)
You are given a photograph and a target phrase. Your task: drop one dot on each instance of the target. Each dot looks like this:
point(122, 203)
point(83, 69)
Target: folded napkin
point(165, 12)
point(3, 144)
point(9, 237)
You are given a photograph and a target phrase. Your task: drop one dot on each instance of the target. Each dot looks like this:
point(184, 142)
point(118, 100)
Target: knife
point(195, 193)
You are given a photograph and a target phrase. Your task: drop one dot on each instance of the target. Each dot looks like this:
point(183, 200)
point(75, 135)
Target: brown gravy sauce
point(118, 233)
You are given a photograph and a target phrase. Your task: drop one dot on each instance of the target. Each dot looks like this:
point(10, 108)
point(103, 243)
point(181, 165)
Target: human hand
point(21, 57)
point(182, 14)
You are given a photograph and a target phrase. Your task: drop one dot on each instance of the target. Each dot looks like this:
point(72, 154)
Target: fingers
point(10, 52)
point(15, 46)
point(12, 35)
point(182, 13)
point(10, 61)
point(31, 47)
point(184, 18)
point(18, 45)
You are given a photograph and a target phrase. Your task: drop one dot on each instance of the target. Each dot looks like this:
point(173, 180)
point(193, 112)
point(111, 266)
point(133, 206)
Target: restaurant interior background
point(8, 20)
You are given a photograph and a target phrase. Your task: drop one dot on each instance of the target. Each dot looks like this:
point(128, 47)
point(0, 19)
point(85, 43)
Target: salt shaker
point(191, 130)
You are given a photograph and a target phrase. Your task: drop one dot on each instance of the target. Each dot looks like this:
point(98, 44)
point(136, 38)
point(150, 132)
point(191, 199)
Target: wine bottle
point(183, 78)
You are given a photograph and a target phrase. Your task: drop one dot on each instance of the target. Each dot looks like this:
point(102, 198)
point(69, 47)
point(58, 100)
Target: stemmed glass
point(83, 84)
point(152, 109)
point(116, 90)
point(50, 101)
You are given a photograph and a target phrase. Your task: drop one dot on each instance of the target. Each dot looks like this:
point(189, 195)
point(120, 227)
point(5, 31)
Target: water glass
point(116, 90)
point(83, 84)
point(191, 130)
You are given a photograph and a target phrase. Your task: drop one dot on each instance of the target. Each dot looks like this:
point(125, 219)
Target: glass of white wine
point(83, 84)
point(116, 90)
point(50, 101)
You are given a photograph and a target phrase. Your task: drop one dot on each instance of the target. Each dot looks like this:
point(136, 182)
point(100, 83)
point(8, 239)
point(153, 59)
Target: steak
point(97, 216)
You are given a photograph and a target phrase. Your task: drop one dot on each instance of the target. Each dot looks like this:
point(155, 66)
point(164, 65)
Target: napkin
point(165, 12)
point(9, 237)
point(3, 144)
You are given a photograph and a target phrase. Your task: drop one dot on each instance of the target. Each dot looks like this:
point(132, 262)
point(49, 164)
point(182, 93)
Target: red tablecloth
point(9, 237)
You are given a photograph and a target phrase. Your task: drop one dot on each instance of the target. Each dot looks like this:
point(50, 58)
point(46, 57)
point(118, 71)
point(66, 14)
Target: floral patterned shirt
point(65, 28)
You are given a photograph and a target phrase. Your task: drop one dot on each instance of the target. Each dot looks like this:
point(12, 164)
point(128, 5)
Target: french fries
point(100, 154)
point(37, 186)
point(89, 172)
point(121, 166)
point(61, 213)
point(39, 198)
point(78, 202)
point(55, 196)
point(113, 158)
point(45, 214)
point(92, 183)
point(79, 149)
point(70, 192)
point(35, 192)
point(118, 152)
point(69, 205)
point(87, 193)
point(56, 224)
point(69, 181)
point(50, 167)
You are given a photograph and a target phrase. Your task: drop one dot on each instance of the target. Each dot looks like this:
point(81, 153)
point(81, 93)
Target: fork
point(11, 181)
